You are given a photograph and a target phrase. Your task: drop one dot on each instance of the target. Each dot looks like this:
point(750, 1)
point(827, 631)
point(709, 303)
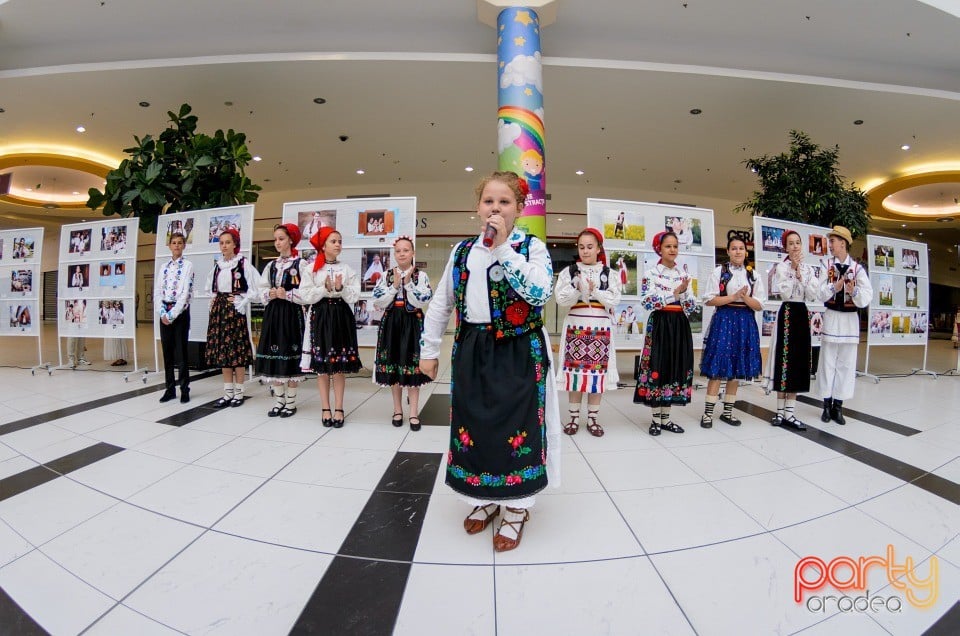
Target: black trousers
point(173, 342)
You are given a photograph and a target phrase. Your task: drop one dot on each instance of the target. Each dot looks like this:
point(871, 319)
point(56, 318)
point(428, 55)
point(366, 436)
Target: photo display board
point(202, 229)
point(900, 276)
point(628, 229)
point(96, 295)
point(20, 253)
point(368, 227)
point(768, 252)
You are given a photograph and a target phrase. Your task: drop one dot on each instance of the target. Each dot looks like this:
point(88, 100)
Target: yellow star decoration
point(527, 92)
point(502, 64)
point(523, 17)
point(520, 41)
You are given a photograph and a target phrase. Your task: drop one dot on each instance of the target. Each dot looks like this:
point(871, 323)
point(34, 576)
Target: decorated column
point(520, 113)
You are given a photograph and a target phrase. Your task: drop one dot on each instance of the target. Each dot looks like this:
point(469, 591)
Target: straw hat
point(842, 232)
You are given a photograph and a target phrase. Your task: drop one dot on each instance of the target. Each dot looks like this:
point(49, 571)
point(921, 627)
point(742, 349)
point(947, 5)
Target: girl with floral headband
point(401, 294)
point(731, 347)
point(665, 376)
point(233, 283)
point(281, 338)
point(589, 365)
point(504, 420)
point(332, 287)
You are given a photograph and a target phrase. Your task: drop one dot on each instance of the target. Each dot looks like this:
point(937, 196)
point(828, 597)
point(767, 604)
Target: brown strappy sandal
point(571, 427)
point(502, 543)
point(593, 428)
point(473, 525)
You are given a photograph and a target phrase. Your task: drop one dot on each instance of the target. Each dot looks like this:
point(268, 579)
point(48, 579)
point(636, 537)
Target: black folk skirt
point(228, 339)
point(281, 341)
point(398, 348)
point(333, 338)
point(498, 433)
point(665, 370)
point(791, 351)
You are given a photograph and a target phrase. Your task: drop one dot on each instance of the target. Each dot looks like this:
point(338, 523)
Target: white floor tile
point(226, 585)
point(429, 439)
point(255, 457)
point(15, 465)
point(304, 516)
point(183, 445)
point(117, 550)
point(779, 499)
point(42, 513)
point(34, 580)
point(87, 421)
point(951, 551)
point(340, 467)
point(630, 470)
point(435, 596)
point(12, 545)
point(924, 517)
point(443, 539)
point(849, 479)
point(293, 430)
point(196, 494)
point(576, 476)
point(790, 449)
point(844, 624)
point(914, 620)
point(122, 620)
point(361, 435)
point(680, 517)
point(27, 440)
point(128, 433)
point(61, 449)
point(125, 473)
point(723, 461)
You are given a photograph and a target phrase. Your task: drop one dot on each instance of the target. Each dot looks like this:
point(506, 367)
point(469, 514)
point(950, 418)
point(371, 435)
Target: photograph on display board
point(696, 319)
point(75, 311)
point(920, 323)
point(687, 229)
point(900, 323)
point(885, 290)
point(816, 323)
point(817, 245)
point(623, 225)
point(20, 317)
point(910, 291)
point(308, 256)
point(78, 276)
point(376, 223)
point(771, 238)
point(21, 280)
point(623, 265)
point(79, 242)
point(911, 259)
point(111, 313)
point(221, 223)
point(180, 226)
point(22, 248)
point(113, 239)
point(626, 322)
point(366, 314)
point(769, 320)
point(1, 248)
point(311, 221)
point(772, 293)
point(880, 322)
point(690, 266)
point(883, 256)
point(113, 274)
point(374, 262)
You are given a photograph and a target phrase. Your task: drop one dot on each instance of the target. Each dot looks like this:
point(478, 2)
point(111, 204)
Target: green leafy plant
point(805, 185)
point(179, 170)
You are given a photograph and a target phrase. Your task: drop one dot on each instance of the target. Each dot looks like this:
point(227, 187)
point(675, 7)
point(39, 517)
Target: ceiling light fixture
point(361, 171)
point(903, 225)
point(257, 158)
point(319, 100)
point(695, 111)
point(579, 173)
point(81, 129)
point(144, 104)
point(857, 122)
point(469, 168)
point(905, 147)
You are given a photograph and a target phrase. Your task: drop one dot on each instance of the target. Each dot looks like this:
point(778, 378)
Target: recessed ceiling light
point(144, 104)
point(903, 225)
point(695, 111)
point(469, 168)
point(257, 158)
point(81, 129)
point(28, 189)
point(361, 171)
point(905, 147)
point(857, 122)
point(560, 220)
point(945, 219)
point(50, 206)
point(920, 233)
point(75, 192)
point(915, 205)
point(472, 218)
point(579, 173)
point(426, 245)
point(319, 100)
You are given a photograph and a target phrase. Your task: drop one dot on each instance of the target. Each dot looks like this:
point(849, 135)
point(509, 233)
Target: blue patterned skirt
point(731, 349)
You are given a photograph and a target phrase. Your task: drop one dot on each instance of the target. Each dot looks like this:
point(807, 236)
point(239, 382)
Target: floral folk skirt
point(665, 369)
point(398, 348)
point(791, 351)
point(281, 341)
point(333, 338)
point(228, 339)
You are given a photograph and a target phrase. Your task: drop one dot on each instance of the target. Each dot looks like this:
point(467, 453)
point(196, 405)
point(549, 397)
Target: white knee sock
point(292, 396)
point(279, 393)
point(228, 390)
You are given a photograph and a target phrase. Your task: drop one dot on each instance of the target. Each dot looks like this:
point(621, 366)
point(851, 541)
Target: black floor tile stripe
point(361, 591)
point(24, 481)
point(197, 412)
point(879, 422)
point(947, 625)
point(43, 418)
point(926, 480)
point(436, 410)
point(15, 621)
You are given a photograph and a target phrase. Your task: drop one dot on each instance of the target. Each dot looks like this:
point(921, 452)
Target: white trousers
point(838, 370)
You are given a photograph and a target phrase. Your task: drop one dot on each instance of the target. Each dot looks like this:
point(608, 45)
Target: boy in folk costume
point(845, 288)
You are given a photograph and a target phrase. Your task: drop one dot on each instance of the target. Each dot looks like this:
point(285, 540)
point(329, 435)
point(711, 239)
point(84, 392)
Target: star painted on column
point(502, 27)
point(519, 41)
point(527, 92)
point(523, 17)
point(502, 64)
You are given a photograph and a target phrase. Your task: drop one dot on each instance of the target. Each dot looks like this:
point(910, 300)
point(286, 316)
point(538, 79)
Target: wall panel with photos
point(900, 276)
point(20, 252)
point(368, 227)
point(201, 229)
point(628, 229)
point(97, 270)
point(769, 254)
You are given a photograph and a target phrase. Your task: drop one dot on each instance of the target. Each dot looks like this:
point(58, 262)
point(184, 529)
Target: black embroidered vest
point(837, 302)
point(238, 284)
point(290, 279)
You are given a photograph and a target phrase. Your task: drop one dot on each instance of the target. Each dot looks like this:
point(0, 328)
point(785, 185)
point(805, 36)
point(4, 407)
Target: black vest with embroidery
point(510, 314)
point(238, 282)
point(604, 275)
point(401, 301)
point(290, 278)
point(726, 275)
point(838, 301)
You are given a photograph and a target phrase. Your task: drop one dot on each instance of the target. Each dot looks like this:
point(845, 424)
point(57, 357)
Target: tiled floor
point(120, 515)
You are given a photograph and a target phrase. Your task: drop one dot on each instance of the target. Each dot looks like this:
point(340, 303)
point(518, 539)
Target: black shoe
point(777, 420)
point(236, 401)
point(795, 423)
point(288, 412)
point(654, 429)
point(184, 397)
point(275, 411)
point(827, 406)
point(222, 402)
point(168, 395)
point(729, 419)
point(706, 422)
point(673, 428)
point(327, 421)
point(414, 426)
point(338, 423)
point(836, 413)
point(397, 420)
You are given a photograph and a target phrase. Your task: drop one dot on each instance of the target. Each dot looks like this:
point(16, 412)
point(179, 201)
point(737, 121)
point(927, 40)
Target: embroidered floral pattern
point(463, 442)
point(516, 443)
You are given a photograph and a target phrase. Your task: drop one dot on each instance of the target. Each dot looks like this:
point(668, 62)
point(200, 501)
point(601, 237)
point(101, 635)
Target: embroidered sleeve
point(438, 314)
point(158, 292)
point(759, 286)
point(565, 293)
point(419, 293)
point(863, 290)
point(208, 284)
point(651, 295)
point(825, 288)
point(383, 293)
point(688, 303)
point(713, 286)
point(184, 291)
point(263, 288)
point(533, 278)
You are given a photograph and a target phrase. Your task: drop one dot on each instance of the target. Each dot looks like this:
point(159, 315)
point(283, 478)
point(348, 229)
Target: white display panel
point(368, 227)
point(900, 275)
point(769, 252)
point(628, 229)
point(202, 229)
point(20, 254)
point(97, 270)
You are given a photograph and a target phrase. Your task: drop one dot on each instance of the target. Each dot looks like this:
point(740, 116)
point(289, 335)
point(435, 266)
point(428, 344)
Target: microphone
point(489, 234)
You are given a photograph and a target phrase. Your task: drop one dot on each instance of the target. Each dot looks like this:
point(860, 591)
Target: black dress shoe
point(184, 397)
point(167, 396)
point(795, 423)
point(836, 414)
point(827, 406)
point(776, 420)
point(730, 419)
point(706, 422)
point(222, 402)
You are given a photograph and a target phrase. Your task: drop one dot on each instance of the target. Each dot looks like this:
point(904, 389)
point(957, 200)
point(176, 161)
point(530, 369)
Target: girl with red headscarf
point(592, 291)
point(281, 339)
point(233, 284)
point(332, 287)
